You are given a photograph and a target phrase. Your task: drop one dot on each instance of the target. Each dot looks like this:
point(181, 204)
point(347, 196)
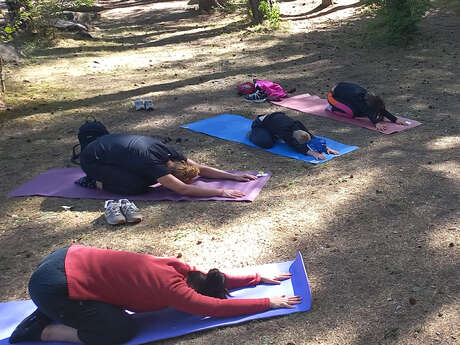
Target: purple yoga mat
point(61, 183)
point(317, 106)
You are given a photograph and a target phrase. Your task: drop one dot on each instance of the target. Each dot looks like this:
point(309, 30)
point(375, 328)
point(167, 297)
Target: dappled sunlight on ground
point(374, 226)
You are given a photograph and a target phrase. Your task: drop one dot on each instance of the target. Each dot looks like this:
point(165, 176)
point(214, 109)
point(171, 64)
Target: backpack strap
point(75, 155)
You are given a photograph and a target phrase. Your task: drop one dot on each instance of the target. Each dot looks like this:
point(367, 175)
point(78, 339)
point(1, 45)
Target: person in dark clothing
point(86, 292)
point(351, 100)
point(267, 129)
point(128, 164)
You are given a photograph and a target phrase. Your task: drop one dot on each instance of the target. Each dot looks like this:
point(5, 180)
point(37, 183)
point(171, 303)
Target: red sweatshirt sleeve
point(235, 282)
point(186, 299)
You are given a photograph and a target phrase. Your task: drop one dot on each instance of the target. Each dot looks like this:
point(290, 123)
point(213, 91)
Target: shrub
point(36, 15)
point(270, 12)
point(395, 21)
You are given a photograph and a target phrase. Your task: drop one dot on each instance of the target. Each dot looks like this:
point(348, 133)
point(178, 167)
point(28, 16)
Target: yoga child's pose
point(128, 164)
point(86, 292)
point(267, 129)
point(351, 100)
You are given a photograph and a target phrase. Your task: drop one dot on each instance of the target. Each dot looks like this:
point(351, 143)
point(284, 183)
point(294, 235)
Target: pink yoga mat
point(60, 183)
point(317, 106)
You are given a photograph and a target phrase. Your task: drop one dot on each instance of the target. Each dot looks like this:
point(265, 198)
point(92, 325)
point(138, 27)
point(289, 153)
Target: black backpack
point(87, 133)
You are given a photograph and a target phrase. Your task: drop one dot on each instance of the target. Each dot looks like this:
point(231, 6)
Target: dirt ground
point(378, 228)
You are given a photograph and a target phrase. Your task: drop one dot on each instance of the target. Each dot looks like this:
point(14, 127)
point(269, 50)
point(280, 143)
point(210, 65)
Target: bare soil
point(378, 228)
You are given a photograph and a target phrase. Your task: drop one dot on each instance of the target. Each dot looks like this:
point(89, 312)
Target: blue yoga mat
point(235, 128)
point(169, 323)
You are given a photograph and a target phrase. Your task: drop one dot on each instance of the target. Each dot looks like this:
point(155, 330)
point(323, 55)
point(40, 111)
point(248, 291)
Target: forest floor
point(378, 228)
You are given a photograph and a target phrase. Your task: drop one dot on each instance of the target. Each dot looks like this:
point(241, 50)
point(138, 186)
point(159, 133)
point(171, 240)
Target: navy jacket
point(353, 96)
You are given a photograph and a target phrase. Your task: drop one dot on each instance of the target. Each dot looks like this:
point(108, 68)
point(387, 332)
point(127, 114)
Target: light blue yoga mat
point(235, 128)
point(169, 323)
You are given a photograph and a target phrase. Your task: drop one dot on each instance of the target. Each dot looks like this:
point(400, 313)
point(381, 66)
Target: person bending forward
point(128, 164)
point(267, 129)
point(87, 291)
point(351, 100)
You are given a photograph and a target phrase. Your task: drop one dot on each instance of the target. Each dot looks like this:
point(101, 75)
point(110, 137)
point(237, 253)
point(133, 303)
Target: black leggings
point(261, 136)
point(97, 323)
point(115, 179)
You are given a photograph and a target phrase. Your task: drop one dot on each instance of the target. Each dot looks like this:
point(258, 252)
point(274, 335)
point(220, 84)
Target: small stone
point(294, 238)
point(440, 314)
point(412, 301)
point(451, 244)
point(327, 245)
point(438, 334)
point(179, 255)
point(378, 191)
point(351, 176)
point(199, 242)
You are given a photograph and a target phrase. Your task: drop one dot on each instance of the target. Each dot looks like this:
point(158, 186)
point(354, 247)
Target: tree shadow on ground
point(363, 242)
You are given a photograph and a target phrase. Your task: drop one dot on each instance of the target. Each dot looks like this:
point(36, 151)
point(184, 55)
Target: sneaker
point(138, 104)
point(148, 105)
point(130, 211)
point(113, 213)
point(86, 182)
point(256, 97)
point(31, 328)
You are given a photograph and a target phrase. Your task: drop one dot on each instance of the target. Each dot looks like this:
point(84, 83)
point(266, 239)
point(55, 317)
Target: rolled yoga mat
point(317, 106)
point(236, 128)
point(61, 183)
point(169, 323)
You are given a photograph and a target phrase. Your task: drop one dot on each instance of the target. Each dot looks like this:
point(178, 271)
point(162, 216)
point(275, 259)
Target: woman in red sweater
point(88, 290)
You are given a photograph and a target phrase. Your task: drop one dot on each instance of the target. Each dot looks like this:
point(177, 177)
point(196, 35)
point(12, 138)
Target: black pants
point(114, 178)
point(261, 136)
point(97, 323)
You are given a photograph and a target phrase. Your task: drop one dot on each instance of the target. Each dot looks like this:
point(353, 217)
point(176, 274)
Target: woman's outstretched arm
point(210, 172)
point(171, 182)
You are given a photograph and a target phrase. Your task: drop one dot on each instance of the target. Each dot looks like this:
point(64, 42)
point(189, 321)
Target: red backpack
point(246, 88)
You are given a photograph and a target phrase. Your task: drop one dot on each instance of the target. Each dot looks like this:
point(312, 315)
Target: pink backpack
point(273, 90)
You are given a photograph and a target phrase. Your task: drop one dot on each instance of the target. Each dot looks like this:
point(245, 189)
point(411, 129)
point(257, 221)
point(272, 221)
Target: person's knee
point(118, 332)
point(123, 331)
point(262, 139)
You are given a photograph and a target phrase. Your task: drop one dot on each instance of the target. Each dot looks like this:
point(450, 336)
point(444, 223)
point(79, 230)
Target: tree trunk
point(205, 5)
point(257, 16)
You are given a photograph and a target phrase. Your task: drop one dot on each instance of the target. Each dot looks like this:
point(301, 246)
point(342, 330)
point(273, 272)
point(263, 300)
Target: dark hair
point(211, 284)
point(377, 105)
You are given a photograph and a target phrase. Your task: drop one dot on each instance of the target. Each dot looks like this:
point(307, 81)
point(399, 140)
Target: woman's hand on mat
point(276, 278)
point(331, 151)
point(244, 177)
point(229, 193)
point(380, 126)
point(318, 155)
point(284, 302)
point(401, 122)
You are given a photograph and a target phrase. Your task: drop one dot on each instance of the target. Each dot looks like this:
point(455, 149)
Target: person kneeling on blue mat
point(82, 294)
point(267, 129)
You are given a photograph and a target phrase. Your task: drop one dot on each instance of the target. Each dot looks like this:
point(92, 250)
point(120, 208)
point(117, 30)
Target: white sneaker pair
point(143, 105)
point(121, 212)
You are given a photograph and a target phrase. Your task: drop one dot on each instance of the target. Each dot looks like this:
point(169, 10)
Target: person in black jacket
point(351, 100)
point(128, 164)
point(267, 129)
